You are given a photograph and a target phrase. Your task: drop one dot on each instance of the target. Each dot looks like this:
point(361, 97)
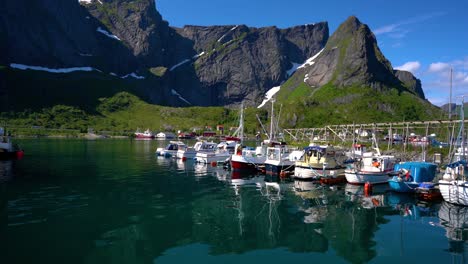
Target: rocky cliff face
point(238, 63)
point(410, 82)
point(58, 34)
point(217, 65)
point(352, 57)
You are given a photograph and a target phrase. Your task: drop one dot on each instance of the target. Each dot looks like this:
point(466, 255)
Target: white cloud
point(436, 80)
point(411, 66)
point(439, 67)
point(398, 29)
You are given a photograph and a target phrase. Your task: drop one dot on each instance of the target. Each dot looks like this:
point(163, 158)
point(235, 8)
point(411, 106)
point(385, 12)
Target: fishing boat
point(281, 159)
point(171, 149)
point(371, 167)
point(318, 162)
point(248, 159)
point(454, 184)
point(191, 152)
point(146, 134)
point(412, 175)
point(245, 158)
point(8, 150)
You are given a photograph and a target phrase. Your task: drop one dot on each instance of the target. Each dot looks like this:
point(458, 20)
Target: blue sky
point(425, 37)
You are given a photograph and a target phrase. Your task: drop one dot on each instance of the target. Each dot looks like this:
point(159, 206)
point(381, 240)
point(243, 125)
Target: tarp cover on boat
point(419, 170)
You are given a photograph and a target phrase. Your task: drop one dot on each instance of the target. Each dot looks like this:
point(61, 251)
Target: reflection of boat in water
point(454, 218)
point(315, 201)
point(355, 193)
point(6, 170)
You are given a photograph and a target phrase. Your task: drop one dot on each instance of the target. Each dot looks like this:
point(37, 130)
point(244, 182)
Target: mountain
point(455, 109)
point(86, 50)
point(181, 66)
point(351, 80)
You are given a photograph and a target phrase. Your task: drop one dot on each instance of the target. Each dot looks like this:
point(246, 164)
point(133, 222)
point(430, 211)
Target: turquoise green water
point(114, 201)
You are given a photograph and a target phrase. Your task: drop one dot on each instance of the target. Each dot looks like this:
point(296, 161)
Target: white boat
point(191, 152)
point(371, 167)
point(165, 135)
point(318, 162)
point(223, 151)
point(203, 149)
point(454, 183)
point(171, 149)
point(281, 158)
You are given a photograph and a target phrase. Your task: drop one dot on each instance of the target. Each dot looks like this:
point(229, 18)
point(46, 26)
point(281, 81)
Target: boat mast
point(241, 123)
point(272, 122)
point(462, 127)
point(450, 96)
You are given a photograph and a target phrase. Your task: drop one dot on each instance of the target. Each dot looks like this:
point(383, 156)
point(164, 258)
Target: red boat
point(146, 134)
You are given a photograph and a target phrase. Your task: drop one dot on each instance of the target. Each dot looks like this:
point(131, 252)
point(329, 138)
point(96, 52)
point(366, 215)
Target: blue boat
point(412, 175)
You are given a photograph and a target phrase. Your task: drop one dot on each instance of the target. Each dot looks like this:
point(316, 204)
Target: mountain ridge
point(196, 65)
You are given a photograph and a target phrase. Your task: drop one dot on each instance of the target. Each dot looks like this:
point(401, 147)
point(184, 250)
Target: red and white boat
point(248, 159)
point(146, 134)
point(8, 150)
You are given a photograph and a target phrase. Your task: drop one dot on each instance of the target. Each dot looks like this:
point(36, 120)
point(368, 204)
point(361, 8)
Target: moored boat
point(146, 134)
point(171, 149)
point(454, 184)
point(318, 162)
point(370, 168)
point(8, 150)
point(411, 175)
point(248, 159)
point(281, 159)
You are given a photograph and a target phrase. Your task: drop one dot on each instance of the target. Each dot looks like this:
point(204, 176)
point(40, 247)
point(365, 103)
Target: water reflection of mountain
point(454, 219)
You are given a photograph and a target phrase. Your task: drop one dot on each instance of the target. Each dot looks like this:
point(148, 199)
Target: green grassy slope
point(306, 106)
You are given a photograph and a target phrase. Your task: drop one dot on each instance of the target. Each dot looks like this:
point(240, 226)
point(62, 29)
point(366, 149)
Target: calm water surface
point(114, 201)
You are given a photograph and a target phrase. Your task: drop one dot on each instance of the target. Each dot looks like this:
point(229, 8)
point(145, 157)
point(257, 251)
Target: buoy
point(184, 158)
point(367, 189)
point(214, 164)
point(20, 154)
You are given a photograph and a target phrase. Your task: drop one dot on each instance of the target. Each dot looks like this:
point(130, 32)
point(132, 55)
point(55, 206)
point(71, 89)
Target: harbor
point(115, 199)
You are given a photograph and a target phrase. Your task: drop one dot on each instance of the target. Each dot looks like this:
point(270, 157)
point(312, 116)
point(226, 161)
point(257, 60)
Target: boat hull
point(277, 169)
point(209, 158)
point(307, 173)
point(243, 166)
point(186, 154)
point(455, 192)
point(7, 155)
point(361, 178)
point(246, 163)
point(402, 186)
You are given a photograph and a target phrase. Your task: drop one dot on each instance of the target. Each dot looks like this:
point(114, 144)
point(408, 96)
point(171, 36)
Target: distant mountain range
point(127, 45)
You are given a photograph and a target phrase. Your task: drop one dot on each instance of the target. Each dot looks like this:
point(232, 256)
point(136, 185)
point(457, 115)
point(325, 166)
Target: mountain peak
point(352, 57)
